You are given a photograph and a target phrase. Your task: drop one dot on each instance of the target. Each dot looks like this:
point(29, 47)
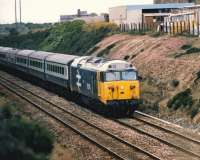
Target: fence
point(138, 27)
point(182, 27)
point(172, 28)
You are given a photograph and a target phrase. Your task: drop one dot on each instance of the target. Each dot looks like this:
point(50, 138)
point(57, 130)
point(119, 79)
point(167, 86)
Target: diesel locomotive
point(112, 83)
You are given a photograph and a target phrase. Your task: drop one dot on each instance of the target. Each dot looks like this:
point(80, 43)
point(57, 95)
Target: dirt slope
point(154, 57)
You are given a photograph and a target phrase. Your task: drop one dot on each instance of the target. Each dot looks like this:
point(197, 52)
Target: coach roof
point(25, 52)
point(61, 58)
point(40, 55)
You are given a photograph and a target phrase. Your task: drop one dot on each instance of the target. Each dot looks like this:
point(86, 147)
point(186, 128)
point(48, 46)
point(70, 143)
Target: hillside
point(168, 66)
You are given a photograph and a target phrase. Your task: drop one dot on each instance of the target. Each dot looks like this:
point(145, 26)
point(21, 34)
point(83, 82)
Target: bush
point(137, 32)
point(182, 99)
point(194, 112)
point(193, 50)
point(75, 37)
point(105, 51)
point(156, 34)
point(186, 46)
point(22, 140)
point(175, 83)
point(126, 57)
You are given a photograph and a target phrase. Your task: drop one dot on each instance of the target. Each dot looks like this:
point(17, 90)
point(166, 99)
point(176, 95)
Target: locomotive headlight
point(122, 87)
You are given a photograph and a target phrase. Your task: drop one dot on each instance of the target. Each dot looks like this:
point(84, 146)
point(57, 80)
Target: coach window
point(62, 70)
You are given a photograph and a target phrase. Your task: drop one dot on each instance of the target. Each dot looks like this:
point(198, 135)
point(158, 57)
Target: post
point(20, 11)
point(193, 31)
point(15, 11)
point(189, 27)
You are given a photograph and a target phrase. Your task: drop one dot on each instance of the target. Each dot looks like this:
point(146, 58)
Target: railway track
point(109, 142)
point(144, 123)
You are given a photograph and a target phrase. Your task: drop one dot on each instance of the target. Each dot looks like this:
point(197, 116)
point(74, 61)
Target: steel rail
point(157, 138)
point(92, 125)
point(162, 128)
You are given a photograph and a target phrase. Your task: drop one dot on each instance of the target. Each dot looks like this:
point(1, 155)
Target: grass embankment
point(75, 37)
point(21, 139)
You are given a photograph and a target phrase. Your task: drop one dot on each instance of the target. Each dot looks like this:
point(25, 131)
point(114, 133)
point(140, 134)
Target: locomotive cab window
point(118, 76)
point(112, 76)
point(129, 75)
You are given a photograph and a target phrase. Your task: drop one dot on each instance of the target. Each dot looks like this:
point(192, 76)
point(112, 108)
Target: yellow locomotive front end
point(119, 87)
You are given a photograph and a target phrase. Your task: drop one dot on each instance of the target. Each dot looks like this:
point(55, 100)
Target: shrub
point(156, 34)
point(186, 46)
point(194, 112)
point(75, 37)
point(182, 99)
point(175, 83)
point(126, 57)
point(106, 50)
point(137, 32)
point(22, 140)
point(193, 50)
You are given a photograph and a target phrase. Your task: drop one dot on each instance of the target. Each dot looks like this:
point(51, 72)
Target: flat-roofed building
point(153, 13)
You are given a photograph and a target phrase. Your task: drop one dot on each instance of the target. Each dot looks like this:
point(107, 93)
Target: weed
point(175, 83)
point(142, 32)
point(194, 111)
point(186, 46)
point(126, 57)
point(105, 51)
point(192, 50)
point(156, 34)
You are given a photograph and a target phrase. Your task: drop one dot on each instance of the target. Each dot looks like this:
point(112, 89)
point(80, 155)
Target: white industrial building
point(143, 13)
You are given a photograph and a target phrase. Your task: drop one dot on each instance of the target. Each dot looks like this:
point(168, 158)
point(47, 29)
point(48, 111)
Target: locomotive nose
point(122, 90)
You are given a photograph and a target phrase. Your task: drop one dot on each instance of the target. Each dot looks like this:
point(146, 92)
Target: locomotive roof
point(61, 58)
point(40, 55)
point(101, 64)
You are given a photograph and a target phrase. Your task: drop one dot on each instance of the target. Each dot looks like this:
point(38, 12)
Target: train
point(112, 83)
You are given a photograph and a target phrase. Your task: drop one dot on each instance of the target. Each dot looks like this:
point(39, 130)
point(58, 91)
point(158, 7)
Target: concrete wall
point(118, 14)
point(121, 15)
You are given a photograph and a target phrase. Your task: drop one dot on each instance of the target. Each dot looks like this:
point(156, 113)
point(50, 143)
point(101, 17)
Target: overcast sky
point(39, 11)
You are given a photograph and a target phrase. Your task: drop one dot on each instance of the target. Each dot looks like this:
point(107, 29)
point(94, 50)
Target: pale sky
point(39, 11)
